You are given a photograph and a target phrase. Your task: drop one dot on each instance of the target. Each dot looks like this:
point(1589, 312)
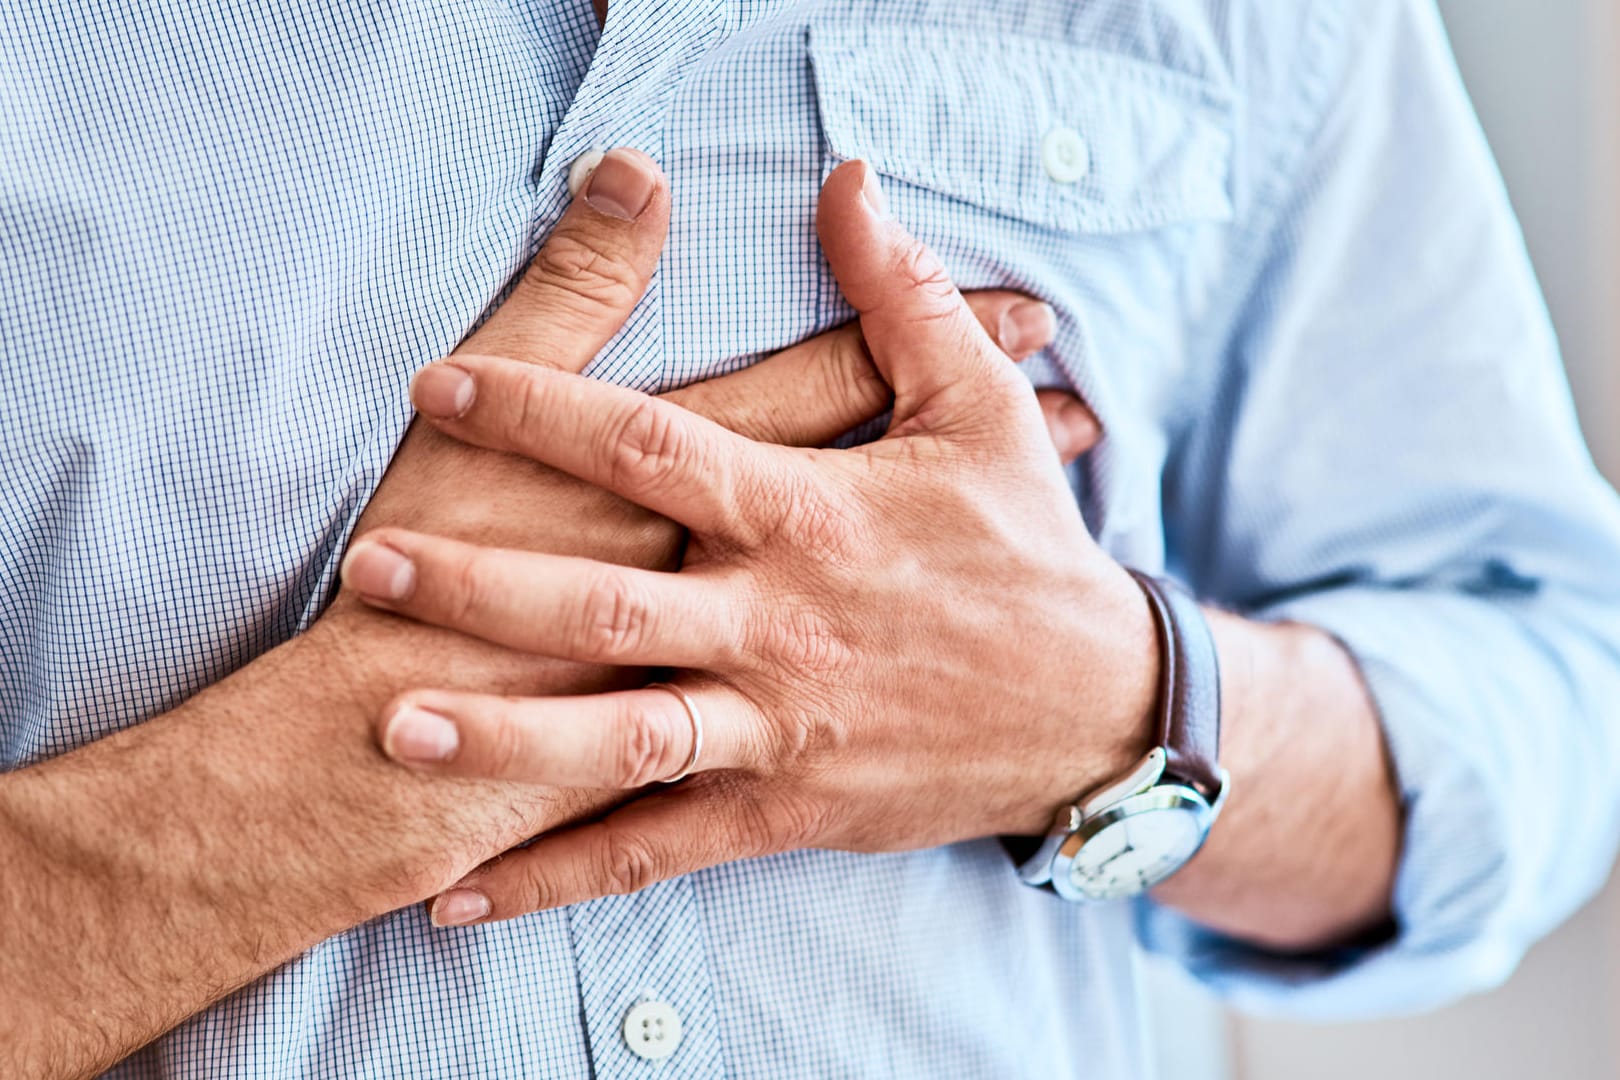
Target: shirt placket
point(645, 986)
point(645, 50)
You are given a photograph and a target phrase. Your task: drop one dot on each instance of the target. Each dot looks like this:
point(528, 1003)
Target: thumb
point(590, 273)
point(815, 391)
point(924, 338)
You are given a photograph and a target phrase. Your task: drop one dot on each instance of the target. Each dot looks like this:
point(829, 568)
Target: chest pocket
point(1099, 182)
point(1052, 134)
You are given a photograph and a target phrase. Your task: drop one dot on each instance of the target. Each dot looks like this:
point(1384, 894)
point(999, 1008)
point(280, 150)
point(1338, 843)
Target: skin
point(152, 872)
point(155, 871)
point(911, 584)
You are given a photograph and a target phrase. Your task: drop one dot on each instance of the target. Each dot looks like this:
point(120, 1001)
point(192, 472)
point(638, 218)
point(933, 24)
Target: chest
point(229, 242)
point(1085, 154)
point(1030, 149)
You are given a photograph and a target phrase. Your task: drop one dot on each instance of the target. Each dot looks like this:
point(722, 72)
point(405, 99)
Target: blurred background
point(1545, 78)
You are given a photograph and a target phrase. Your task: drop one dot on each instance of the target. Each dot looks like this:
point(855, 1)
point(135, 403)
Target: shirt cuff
point(1458, 927)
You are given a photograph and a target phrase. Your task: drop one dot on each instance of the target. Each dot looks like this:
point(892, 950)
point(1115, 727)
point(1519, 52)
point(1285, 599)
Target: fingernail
point(458, 907)
point(417, 736)
point(1075, 416)
point(1026, 327)
point(1059, 431)
point(443, 391)
point(872, 192)
point(622, 185)
point(1072, 428)
point(378, 571)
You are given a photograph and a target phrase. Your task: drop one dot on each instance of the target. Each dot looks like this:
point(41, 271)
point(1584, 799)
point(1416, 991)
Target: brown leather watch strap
point(1189, 685)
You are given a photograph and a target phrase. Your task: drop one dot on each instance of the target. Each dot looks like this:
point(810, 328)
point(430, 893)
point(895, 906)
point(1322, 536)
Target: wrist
point(427, 833)
point(398, 837)
point(1105, 712)
point(1136, 662)
point(1301, 731)
point(1141, 824)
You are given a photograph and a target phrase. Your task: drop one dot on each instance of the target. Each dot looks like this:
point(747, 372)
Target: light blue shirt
point(1288, 281)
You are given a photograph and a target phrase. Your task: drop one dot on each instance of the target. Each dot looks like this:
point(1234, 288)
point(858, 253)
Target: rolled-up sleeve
point(1394, 458)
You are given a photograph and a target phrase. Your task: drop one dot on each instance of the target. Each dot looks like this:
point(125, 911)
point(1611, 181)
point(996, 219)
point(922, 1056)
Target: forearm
point(157, 870)
point(1305, 853)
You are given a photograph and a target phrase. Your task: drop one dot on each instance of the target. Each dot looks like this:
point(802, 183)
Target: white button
point(580, 171)
point(1065, 155)
point(652, 1029)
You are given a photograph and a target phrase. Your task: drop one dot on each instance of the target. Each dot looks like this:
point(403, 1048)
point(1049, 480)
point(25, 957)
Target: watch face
point(1134, 847)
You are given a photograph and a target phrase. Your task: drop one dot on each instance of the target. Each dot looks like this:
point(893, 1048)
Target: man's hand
point(572, 299)
point(155, 870)
point(902, 645)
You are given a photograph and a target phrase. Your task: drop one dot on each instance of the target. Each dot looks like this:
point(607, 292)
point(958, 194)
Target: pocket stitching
point(1199, 191)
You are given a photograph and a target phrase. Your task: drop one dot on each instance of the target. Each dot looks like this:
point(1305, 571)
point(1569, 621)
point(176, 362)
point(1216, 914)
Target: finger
point(552, 605)
point(714, 820)
point(649, 451)
point(922, 335)
point(807, 395)
point(1020, 326)
point(591, 271)
point(1073, 426)
point(815, 391)
point(615, 741)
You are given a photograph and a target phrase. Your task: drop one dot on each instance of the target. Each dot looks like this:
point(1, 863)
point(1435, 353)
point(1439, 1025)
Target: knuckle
point(800, 820)
point(807, 642)
point(529, 404)
point(615, 618)
point(851, 380)
point(642, 749)
point(781, 822)
point(537, 889)
point(572, 263)
point(468, 594)
point(629, 864)
point(920, 270)
point(647, 447)
point(502, 748)
point(755, 828)
point(813, 735)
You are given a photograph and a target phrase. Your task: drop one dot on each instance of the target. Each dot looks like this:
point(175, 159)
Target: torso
point(231, 235)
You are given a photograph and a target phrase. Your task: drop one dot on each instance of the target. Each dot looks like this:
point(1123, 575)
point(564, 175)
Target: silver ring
point(693, 715)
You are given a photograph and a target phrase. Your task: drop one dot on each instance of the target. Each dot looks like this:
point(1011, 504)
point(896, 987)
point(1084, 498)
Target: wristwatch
point(1135, 831)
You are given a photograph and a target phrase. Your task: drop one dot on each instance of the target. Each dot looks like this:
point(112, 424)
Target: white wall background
point(1545, 76)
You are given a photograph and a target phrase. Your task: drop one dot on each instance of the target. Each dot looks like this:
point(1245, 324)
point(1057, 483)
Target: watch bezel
point(1159, 798)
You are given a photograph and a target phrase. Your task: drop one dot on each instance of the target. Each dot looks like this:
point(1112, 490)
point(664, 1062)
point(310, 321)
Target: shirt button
point(652, 1029)
point(580, 171)
point(1065, 155)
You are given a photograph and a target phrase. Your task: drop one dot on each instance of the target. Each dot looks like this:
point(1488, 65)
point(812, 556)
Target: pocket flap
point(1062, 136)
